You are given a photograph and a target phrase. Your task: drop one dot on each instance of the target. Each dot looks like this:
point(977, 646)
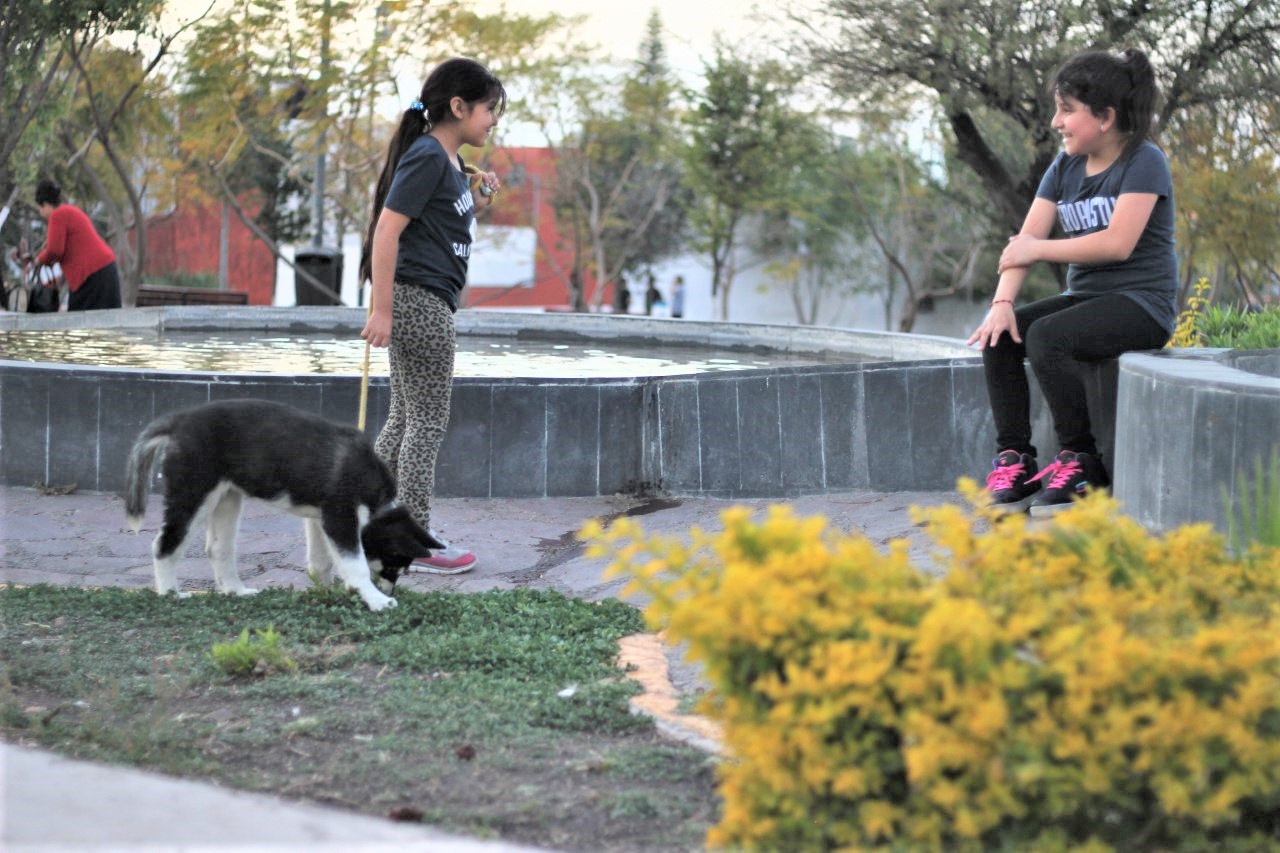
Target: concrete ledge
point(514, 324)
point(1191, 426)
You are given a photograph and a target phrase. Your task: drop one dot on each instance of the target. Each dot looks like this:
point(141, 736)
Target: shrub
point(256, 655)
point(1205, 325)
point(1081, 684)
point(1185, 333)
point(180, 278)
point(1254, 513)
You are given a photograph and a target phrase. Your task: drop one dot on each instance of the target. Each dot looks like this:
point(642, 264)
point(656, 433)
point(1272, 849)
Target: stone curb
point(645, 661)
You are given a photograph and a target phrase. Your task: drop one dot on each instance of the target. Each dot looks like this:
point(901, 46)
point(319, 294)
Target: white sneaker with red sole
point(449, 560)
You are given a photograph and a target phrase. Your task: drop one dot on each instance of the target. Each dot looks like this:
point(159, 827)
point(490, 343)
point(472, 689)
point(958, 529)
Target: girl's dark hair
point(48, 192)
point(453, 78)
point(1100, 79)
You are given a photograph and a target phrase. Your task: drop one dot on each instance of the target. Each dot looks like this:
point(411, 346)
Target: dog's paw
point(384, 602)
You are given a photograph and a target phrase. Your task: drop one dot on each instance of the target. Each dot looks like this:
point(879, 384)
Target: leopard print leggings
point(423, 340)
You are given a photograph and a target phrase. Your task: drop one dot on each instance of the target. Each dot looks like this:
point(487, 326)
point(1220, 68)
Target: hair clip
point(418, 105)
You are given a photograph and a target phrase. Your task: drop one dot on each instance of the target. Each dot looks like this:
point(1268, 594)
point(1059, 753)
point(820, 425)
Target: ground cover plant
point(1203, 324)
point(496, 715)
point(1081, 685)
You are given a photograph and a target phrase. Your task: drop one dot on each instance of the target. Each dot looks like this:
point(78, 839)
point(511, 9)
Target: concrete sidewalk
point(52, 803)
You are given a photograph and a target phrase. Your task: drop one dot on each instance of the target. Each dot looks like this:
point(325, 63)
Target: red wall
point(529, 182)
point(187, 241)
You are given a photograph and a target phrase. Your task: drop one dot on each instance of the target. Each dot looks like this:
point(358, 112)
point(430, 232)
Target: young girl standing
point(1112, 192)
point(415, 254)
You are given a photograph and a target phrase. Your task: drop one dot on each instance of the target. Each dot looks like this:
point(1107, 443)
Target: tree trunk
point(224, 248)
point(973, 151)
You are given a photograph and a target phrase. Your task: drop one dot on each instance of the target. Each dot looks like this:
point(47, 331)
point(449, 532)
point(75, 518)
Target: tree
point(870, 214)
point(270, 85)
point(814, 237)
point(1227, 178)
point(119, 107)
point(35, 53)
point(647, 97)
point(987, 66)
point(620, 187)
point(746, 143)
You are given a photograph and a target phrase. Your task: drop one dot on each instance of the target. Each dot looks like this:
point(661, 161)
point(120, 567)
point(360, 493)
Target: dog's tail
point(137, 473)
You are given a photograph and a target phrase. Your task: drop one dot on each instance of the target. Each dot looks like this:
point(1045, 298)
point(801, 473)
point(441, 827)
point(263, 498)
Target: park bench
point(155, 294)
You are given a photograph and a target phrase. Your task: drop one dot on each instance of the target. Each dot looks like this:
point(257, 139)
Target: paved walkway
point(51, 803)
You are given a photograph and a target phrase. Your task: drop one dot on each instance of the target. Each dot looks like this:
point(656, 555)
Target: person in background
point(677, 297)
point(621, 297)
point(652, 296)
point(88, 263)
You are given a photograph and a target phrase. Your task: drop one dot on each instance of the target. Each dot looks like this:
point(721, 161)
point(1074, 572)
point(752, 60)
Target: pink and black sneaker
point(1068, 477)
point(1012, 481)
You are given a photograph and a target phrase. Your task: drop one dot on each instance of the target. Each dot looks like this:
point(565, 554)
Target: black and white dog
point(214, 455)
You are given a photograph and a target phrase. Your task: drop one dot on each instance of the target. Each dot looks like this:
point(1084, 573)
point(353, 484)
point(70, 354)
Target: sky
point(618, 28)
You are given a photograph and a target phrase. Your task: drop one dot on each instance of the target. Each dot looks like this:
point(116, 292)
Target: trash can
point(325, 263)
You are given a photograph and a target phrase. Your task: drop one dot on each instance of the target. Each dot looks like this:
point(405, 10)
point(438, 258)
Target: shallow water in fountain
point(269, 352)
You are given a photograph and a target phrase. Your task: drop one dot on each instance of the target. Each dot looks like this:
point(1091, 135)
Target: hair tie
point(418, 105)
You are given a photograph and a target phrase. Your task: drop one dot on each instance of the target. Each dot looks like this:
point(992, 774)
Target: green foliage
point(971, 60)
point(747, 144)
point(179, 278)
point(1234, 328)
point(256, 655)
point(1204, 324)
point(36, 38)
point(1228, 202)
point(1254, 512)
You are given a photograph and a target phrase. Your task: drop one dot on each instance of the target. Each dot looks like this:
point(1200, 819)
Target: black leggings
point(1060, 335)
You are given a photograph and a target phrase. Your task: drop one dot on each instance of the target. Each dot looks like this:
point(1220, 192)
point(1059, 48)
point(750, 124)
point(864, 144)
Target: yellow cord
point(364, 375)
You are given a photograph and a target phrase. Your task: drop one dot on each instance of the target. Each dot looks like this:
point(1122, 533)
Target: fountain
point(800, 424)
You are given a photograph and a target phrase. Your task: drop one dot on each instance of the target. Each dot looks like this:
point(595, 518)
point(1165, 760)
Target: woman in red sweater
point(88, 264)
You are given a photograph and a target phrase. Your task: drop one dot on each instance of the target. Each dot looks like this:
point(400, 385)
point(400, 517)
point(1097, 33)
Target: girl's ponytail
point(412, 125)
point(1138, 110)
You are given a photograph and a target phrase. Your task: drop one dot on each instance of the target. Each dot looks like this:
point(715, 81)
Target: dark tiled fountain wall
point(769, 433)
point(762, 432)
point(1189, 427)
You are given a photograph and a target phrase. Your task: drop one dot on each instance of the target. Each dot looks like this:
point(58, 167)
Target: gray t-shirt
point(436, 244)
point(1085, 204)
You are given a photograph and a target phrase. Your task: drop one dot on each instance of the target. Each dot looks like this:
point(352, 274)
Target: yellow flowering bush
point(1082, 686)
point(1187, 332)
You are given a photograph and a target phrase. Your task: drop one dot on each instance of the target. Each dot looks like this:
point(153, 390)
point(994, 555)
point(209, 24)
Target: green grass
point(448, 702)
point(1254, 513)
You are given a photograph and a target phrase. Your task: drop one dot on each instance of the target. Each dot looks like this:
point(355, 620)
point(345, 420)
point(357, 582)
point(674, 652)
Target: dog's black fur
point(217, 453)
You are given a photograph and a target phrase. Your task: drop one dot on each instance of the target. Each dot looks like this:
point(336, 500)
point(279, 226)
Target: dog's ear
point(424, 537)
point(401, 533)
